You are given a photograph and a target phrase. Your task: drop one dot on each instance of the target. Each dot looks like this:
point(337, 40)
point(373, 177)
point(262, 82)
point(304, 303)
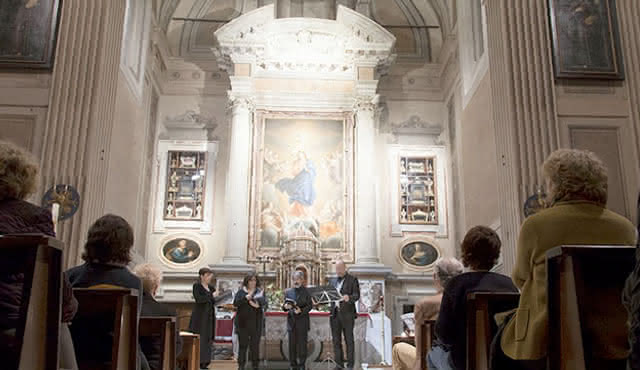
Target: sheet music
point(325, 294)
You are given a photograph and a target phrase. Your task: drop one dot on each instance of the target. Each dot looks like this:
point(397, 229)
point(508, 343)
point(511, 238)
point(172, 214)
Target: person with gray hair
point(151, 277)
point(297, 304)
point(405, 356)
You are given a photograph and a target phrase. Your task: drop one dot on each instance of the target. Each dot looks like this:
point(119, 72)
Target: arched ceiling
point(407, 20)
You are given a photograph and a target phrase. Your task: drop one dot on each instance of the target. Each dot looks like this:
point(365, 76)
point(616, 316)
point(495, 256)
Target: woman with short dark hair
point(203, 316)
point(250, 302)
point(480, 252)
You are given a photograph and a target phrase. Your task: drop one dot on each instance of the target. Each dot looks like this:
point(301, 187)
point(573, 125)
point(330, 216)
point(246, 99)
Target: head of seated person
point(444, 270)
point(151, 277)
point(107, 252)
point(480, 249)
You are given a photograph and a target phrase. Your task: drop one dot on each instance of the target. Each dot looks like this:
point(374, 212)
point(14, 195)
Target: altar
point(274, 351)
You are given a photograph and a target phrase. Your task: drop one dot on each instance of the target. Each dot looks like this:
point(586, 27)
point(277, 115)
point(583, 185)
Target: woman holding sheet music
point(250, 302)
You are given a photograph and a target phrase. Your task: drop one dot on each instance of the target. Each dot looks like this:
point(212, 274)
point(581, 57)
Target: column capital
point(240, 102)
point(364, 103)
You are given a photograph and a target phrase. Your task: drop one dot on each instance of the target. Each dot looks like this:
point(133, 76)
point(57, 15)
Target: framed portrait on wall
point(28, 32)
point(418, 253)
point(586, 40)
point(181, 251)
point(302, 183)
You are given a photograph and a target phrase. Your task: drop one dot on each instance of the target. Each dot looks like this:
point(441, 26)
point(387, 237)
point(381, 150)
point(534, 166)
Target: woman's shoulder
point(19, 216)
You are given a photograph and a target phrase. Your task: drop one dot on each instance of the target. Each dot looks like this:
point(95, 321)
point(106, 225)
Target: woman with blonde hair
point(18, 180)
point(576, 185)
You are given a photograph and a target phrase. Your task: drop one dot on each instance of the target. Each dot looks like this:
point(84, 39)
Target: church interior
point(264, 137)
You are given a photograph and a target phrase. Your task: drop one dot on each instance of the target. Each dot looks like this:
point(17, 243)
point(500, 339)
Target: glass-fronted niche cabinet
point(185, 184)
point(418, 203)
point(184, 196)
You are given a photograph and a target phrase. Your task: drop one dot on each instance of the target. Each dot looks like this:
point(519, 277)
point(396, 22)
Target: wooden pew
point(164, 327)
point(105, 329)
point(189, 357)
point(481, 326)
point(586, 314)
point(35, 342)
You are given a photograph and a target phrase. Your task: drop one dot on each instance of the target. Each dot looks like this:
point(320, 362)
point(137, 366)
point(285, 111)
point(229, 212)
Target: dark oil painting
point(28, 33)
point(585, 39)
point(419, 254)
point(181, 250)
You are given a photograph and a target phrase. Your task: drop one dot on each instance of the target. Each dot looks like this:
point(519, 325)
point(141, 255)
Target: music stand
point(325, 294)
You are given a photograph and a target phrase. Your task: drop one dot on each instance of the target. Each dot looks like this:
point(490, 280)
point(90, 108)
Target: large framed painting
point(586, 40)
point(302, 184)
point(28, 30)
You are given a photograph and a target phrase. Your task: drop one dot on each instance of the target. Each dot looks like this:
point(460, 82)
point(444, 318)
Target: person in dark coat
point(18, 179)
point(152, 346)
point(106, 255)
point(250, 302)
point(297, 304)
point(631, 300)
point(203, 316)
point(343, 316)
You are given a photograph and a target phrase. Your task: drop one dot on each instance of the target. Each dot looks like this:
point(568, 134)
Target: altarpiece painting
point(302, 187)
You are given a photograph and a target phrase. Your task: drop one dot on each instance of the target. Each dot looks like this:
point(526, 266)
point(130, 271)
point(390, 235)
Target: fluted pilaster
point(81, 110)
point(526, 128)
point(628, 15)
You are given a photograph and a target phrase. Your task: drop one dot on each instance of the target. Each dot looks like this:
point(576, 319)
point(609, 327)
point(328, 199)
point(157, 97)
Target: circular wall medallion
point(181, 251)
point(66, 196)
point(418, 253)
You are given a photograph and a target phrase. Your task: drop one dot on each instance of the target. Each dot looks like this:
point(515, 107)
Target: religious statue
point(403, 167)
point(174, 162)
point(199, 211)
point(432, 203)
point(174, 181)
point(403, 215)
point(430, 168)
point(170, 210)
point(429, 183)
point(432, 216)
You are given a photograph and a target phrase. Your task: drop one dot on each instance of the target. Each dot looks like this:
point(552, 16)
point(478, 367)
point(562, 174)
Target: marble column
point(526, 128)
point(81, 110)
point(366, 247)
point(237, 186)
point(628, 14)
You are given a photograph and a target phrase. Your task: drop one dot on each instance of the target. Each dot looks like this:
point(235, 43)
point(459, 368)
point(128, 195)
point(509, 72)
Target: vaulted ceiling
point(420, 26)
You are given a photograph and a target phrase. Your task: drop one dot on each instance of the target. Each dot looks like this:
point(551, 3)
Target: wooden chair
point(481, 326)
point(189, 357)
point(106, 317)
point(587, 321)
point(35, 342)
point(428, 330)
point(165, 328)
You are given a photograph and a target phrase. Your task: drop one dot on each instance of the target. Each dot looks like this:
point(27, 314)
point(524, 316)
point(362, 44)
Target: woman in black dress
point(203, 316)
point(250, 302)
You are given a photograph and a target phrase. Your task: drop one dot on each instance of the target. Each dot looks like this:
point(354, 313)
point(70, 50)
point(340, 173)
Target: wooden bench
point(164, 328)
point(105, 329)
point(189, 357)
point(34, 345)
point(481, 326)
point(428, 330)
point(587, 320)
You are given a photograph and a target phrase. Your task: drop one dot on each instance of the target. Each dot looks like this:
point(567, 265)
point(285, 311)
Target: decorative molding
point(416, 126)
point(135, 44)
point(190, 120)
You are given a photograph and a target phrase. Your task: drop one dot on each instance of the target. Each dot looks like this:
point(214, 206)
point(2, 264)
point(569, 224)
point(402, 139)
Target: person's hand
point(249, 297)
point(215, 294)
point(254, 304)
point(298, 311)
point(287, 306)
point(345, 298)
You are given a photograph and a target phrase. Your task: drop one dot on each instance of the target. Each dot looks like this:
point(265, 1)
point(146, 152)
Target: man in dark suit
point(298, 305)
point(343, 315)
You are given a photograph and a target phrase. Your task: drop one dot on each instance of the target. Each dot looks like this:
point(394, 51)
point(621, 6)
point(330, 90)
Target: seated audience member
point(576, 184)
point(631, 299)
point(480, 252)
point(106, 255)
point(151, 277)
point(404, 354)
point(18, 179)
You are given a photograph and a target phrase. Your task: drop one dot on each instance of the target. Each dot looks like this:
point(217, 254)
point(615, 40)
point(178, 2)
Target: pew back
point(105, 329)
point(428, 331)
point(587, 321)
point(163, 327)
point(36, 339)
point(189, 357)
point(481, 326)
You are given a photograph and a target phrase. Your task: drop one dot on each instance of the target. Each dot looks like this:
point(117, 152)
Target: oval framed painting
point(418, 253)
point(181, 251)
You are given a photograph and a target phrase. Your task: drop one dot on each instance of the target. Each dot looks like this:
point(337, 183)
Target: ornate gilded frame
point(413, 239)
point(260, 118)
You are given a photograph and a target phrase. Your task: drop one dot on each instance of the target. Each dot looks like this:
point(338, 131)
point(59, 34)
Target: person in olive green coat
point(576, 183)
